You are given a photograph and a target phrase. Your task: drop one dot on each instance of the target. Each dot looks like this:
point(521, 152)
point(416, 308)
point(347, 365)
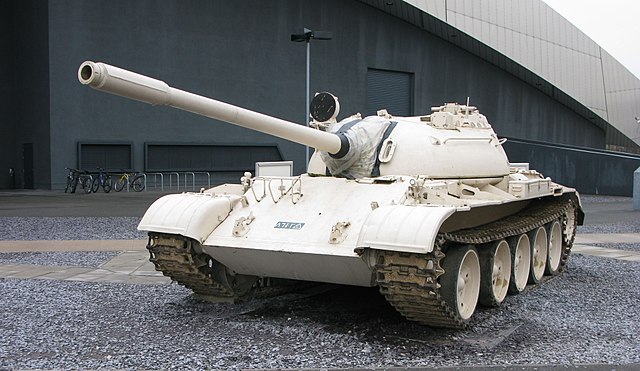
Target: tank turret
point(426, 208)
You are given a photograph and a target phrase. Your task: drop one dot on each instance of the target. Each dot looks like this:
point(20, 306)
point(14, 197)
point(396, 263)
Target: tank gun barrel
point(118, 81)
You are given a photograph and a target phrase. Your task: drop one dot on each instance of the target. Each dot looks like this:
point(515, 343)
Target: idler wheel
point(538, 254)
point(495, 271)
point(554, 232)
point(239, 285)
point(461, 280)
point(520, 263)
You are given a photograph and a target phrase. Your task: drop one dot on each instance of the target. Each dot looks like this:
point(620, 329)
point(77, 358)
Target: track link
point(409, 281)
point(176, 257)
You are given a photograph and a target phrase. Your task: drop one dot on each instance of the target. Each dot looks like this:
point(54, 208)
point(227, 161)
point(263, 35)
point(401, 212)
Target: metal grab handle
point(284, 192)
point(465, 139)
point(266, 183)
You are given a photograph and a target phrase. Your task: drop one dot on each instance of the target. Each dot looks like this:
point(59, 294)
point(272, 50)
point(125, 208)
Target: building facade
point(535, 77)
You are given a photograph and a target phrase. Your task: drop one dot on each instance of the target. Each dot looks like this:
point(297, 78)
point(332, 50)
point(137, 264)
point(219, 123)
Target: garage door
point(390, 90)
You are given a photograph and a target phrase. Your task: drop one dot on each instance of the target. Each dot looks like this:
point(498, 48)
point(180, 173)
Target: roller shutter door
point(184, 157)
point(111, 157)
point(390, 90)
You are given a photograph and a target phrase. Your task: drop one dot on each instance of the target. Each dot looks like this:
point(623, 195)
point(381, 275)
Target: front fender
point(193, 215)
point(403, 228)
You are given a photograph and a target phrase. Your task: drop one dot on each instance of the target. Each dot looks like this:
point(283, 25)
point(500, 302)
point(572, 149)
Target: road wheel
point(520, 263)
point(538, 254)
point(495, 271)
point(554, 231)
point(461, 280)
point(239, 284)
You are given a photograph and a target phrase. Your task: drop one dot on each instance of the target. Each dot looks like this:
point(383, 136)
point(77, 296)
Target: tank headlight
point(324, 107)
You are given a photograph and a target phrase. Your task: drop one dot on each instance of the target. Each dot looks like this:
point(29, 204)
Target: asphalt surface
point(587, 318)
point(60, 204)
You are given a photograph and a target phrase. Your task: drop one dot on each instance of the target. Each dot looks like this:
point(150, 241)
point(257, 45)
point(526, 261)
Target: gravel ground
point(619, 246)
point(70, 228)
point(599, 199)
point(587, 315)
point(628, 227)
point(618, 209)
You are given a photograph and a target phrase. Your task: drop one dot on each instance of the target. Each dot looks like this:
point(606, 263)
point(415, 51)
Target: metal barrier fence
point(186, 181)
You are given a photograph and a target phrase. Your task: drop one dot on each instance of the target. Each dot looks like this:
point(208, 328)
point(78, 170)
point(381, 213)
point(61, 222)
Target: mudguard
point(403, 228)
point(193, 215)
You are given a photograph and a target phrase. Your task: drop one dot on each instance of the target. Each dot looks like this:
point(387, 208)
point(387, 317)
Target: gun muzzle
point(124, 83)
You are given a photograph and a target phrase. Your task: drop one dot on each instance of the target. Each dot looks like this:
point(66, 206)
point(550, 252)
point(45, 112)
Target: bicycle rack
point(188, 175)
point(155, 180)
point(193, 180)
point(144, 177)
point(177, 180)
point(208, 177)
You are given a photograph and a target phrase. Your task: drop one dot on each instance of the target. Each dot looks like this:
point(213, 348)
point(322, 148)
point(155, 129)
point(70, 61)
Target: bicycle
point(132, 179)
point(72, 180)
point(76, 177)
point(85, 181)
point(103, 179)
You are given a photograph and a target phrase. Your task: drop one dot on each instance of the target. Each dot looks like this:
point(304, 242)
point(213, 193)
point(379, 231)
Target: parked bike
point(103, 179)
point(131, 179)
point(72, 180)
point(76, 177)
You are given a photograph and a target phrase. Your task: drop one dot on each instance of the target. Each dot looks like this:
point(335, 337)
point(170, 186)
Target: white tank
point(427, 208)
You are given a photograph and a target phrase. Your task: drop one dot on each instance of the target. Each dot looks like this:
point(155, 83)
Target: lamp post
point(306, 37)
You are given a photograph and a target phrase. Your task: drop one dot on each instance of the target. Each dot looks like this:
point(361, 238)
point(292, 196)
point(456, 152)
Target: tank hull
point(320, 228)
point(339, 267)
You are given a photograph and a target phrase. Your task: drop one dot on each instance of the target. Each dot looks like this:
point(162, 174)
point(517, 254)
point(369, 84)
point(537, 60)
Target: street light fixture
point(306, 36)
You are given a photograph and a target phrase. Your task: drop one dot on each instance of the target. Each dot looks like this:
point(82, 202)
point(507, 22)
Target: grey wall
point(237, 52)
point(25, 91)
point(589, 171)
point(7, 132)
point(240, 52)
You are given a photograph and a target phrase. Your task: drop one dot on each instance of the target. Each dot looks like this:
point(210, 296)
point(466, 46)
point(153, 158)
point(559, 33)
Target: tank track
point(176, 258)
point(409, 281)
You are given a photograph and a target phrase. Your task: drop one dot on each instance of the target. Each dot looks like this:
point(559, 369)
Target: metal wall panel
point(589, 171)
point(623, 97)
point(535, 36)
point(210, 158)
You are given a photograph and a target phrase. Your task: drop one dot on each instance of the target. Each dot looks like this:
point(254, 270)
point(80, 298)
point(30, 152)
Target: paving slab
point(129, 262)
point(63, 274)
point(131, 267)
point(606, 252)
point(592, 238)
